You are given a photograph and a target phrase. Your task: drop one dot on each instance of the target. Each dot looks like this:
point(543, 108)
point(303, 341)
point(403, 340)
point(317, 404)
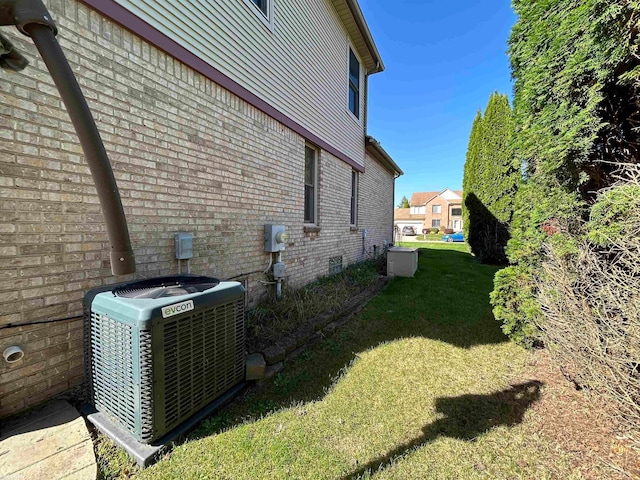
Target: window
point(456, 212)
point(263, 9)
point(354, 197)
point(435, 223)
point(436, 209)
point(354, 84)
point(263, 6)
point(310, 184)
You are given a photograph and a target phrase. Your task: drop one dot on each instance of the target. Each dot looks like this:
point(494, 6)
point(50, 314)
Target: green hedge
point(576, 113)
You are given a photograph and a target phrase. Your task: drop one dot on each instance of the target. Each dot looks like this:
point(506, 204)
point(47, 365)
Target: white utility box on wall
point(402, 261)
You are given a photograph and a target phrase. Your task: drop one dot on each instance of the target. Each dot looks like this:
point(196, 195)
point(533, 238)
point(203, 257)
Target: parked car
point(408, 230)
point(453, 237)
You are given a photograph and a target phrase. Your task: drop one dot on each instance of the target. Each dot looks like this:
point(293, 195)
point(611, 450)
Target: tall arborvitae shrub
point(470, 166)
point(491, 179)
point(577, 113)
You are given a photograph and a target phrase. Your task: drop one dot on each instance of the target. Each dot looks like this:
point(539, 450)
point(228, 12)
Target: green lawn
point(434, 237)
point(415, 387)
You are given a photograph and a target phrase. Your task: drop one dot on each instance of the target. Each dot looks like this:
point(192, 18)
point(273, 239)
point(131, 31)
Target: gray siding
point(299, 66)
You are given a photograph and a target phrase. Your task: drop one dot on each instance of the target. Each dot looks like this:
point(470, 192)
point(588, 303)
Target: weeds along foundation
point(272, 319)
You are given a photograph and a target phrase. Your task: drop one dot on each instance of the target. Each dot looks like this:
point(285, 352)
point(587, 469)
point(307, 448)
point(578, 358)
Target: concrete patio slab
point(51, 442)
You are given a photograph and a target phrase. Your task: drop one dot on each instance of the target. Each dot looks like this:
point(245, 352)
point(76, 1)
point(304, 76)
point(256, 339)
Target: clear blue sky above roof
point(443, 60)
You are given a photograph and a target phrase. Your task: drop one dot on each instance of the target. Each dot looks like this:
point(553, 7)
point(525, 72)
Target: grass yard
point(417, 386)
point(434, 237)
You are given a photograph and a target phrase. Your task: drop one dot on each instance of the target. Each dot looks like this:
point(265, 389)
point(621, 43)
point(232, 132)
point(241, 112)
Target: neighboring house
point(219, 116)
point(442, 210)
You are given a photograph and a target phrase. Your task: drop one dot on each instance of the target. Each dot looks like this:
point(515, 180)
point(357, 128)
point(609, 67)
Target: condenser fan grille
point(165, 287)
point(203, 357)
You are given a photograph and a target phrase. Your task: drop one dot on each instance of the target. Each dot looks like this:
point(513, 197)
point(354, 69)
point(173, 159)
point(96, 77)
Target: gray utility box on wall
point(275, 237)
point(184, 245)
point(402, 261)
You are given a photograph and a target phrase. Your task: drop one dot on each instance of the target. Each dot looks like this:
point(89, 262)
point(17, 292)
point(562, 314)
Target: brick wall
point(187, 155)
point(376, 204)
point(445, 217)
point(52, 363)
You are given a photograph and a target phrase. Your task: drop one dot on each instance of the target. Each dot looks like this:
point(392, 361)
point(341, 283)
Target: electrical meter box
point(278, 270)
point(184, 245)
point(275, 238)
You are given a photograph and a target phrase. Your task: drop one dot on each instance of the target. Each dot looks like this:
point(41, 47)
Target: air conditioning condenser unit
point(158, 351)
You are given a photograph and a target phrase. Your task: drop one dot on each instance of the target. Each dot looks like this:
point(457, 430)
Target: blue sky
point(443, 60)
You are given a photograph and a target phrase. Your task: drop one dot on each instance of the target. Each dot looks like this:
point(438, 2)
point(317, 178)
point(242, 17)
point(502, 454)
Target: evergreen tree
point(491, 179)
point(577, 112)
point(469, 177)
point(404, 203)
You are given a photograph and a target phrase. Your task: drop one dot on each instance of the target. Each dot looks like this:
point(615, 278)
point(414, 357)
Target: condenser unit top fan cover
point(165, 286)
point(138, 303)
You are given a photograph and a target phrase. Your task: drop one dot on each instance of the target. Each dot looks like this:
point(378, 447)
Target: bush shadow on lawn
point(466, 418)
point(447, 300)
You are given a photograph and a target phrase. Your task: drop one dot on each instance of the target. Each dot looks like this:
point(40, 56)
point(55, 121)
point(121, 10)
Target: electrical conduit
point(32, 18)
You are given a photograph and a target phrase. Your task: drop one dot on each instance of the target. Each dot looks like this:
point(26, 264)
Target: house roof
point(374, 148)
point(403, 214)
point(351, 16)
point(422, 198)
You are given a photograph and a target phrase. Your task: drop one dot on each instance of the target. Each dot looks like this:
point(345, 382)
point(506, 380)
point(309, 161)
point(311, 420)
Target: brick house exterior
point(192, 150)
point(442, 210)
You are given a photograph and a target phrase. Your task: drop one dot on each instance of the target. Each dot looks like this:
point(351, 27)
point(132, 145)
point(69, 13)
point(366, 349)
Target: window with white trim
point(354, 197)
point(435, 223)
point(263, 9)
point(263, 5)
point(354, 84)
point(310, 185)
point(436, 209)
